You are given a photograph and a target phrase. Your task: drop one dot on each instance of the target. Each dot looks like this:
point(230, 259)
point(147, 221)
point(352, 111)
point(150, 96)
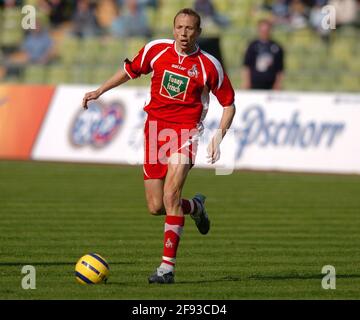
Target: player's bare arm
point(117, 79)
point(213, 148)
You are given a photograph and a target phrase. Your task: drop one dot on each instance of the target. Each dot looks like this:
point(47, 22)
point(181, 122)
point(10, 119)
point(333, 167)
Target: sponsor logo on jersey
point(174, 85)
point(176, 66)
point(98, 125)
point(193, 72)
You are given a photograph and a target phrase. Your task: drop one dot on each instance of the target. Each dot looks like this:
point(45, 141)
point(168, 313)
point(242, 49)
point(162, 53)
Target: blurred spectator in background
point(84, 20)
point(58, 11)
point(298, 14)
point(316, 18)
point(208, 12)
point(3, 3)
point(131, 21)
point(280, 11)
point(346, 11)
point(263, 63)
point(106, 12)
point(37, 48)
point(143, 3)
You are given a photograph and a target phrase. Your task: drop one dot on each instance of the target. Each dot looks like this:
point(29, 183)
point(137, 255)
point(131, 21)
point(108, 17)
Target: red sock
point(173, 229)
point(188, 206)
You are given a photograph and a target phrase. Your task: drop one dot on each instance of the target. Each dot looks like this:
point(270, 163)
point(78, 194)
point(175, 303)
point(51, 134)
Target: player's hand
point(92, 95)
point(213, 151)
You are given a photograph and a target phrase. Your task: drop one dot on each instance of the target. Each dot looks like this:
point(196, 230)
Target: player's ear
point(199, 31)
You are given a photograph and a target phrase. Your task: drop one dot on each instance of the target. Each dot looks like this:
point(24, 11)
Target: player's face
point(186, 33)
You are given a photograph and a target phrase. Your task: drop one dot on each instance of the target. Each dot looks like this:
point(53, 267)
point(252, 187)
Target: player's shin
point(172, 233)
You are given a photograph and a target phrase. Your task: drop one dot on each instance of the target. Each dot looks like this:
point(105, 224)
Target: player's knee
point(156, 209)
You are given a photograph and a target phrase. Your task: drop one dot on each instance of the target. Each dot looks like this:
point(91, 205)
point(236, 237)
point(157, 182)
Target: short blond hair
point(192, 13)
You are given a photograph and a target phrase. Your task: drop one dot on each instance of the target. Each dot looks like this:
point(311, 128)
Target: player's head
point(264, 29)
point(187, 29)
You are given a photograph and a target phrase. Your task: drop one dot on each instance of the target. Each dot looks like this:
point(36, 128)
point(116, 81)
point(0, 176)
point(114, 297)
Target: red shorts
point(161, 140)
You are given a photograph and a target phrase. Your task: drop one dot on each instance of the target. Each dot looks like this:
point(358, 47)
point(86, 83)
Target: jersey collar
point(197, 48)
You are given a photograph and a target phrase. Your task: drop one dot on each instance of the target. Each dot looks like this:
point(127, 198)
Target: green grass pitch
point(271, 234)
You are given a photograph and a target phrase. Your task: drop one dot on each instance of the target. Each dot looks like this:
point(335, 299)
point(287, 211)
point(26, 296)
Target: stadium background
point(100, 56)
point(274, 230)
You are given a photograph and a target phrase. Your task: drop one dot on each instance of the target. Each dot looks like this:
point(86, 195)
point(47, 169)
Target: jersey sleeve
point(225, 94)
point(220, 85)
point(138, 66)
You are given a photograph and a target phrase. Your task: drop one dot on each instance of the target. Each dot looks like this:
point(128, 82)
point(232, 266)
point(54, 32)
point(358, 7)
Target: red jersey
point(180, 84)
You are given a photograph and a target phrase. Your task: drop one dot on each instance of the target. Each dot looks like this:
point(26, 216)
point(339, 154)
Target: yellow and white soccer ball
point(91, 269)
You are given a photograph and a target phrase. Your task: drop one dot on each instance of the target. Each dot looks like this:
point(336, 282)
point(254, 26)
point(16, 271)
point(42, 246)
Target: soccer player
point(182, 77)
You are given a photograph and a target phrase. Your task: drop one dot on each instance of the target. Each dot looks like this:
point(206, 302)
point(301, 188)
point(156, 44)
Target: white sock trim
point(172, 260)
point(166, 267)
point(174, 228)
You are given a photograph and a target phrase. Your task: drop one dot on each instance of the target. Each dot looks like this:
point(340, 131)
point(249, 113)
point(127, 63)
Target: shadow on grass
point(300, 277)
point(268, 277)
point(254, 277)
point(223, 279)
